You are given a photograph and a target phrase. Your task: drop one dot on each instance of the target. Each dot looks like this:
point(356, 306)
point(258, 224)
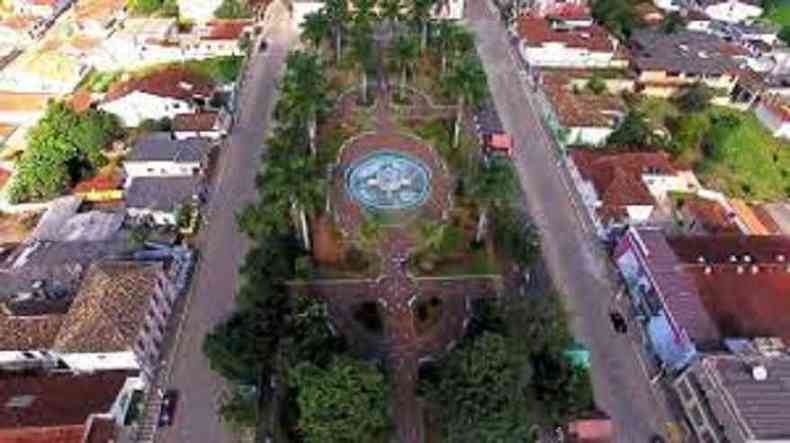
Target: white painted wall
point(660, 185)
point(137, 106)
point(733, 11)
point(773, 122)
point(639, 213)
point(209, 135)
point(106, 361)
point(594, 136)
point(453, 10)
point(161, 218)
point(558, 55)
point(135, 169)
point(199, 11)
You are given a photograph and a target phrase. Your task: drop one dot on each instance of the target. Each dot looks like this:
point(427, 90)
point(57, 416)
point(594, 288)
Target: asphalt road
point(222, 250)
point(579, 271)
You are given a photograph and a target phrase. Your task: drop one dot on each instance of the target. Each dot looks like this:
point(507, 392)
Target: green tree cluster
point(617, 16)
point(166, 8)
point(64, 147)
point(233, 9)
point(510, 374)
point(344, 402)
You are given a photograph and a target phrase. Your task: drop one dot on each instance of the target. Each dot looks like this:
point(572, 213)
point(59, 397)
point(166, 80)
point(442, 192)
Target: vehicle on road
point(618, 322)
point(263, 46)
point(168, 408)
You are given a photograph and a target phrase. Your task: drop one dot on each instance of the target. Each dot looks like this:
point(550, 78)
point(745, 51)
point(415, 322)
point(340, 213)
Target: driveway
point(573, 259)
point(222, 250)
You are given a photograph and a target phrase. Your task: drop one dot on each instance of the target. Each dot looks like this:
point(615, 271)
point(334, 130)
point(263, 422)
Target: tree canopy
point(345, 402)
point(154, 7)
point(233, 9)
point(617, 15)
point(64, 147)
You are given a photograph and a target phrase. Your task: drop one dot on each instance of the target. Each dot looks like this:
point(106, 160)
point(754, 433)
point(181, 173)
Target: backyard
point(730, 150)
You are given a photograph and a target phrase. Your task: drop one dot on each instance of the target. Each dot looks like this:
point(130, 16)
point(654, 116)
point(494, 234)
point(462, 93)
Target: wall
point(210, 135)
point(198, 10)
point(100, 361)
point(160, 169)
point(138, 106)
point(773, 122)
point(660, 185)
point(161, 218)
point(594, 136)
point(558, 55)
point(733, 11)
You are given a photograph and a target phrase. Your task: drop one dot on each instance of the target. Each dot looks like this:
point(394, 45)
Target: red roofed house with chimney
point(161, 94)
point(564, 42)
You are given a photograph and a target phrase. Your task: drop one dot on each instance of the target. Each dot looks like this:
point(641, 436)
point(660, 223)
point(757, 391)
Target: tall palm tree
point(494, 185)
point(362, 48)
point(467, 81)
point(338, 15)
point(294, 189)
point(391, 12)
point(304, 93)
point(420, 12)
point(452, 41)
point(406, 52)
point(315, 28)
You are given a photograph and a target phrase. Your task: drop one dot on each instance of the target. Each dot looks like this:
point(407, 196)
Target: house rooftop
point(683, 51)
point(162, 193)
point(732, 249)
point(710, 214)
point(173, 82)
point(98, 9)
point(20, 102)
point(160, 146)
point(57, 400)
point(677, 288)
point(226, 29)
point(536, 31)
point(617, 177)
point(581, 108)
point(199, 121)
point(110, 307)
point(761, 405)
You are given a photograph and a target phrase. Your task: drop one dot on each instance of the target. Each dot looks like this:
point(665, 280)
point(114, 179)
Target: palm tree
point(420, 12)
point(406, 51)
point(467, 81)
point(294, 189)
point(390, 11)
point(452, 42)
point(315, 28)
point(364, 14)
point(337, 14)
point(304, 93)
point(494, 185)
point(362, 47)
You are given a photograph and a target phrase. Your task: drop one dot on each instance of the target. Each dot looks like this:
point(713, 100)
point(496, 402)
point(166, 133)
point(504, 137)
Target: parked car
point(263, 46)
point(168, 409)
point(618, 322)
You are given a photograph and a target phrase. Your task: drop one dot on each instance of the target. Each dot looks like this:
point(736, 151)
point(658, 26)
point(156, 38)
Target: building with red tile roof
point(702, 216)
point(560, 42)
point(225, 29)
point(62, 407)
point(619, 188)
point(162, 94)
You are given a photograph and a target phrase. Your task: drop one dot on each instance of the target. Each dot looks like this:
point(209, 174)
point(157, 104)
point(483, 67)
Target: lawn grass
point(779, 15)
point(745, 161)
point(223, 69)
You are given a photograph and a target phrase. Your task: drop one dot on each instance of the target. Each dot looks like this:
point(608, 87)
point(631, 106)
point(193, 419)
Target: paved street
point(222, 250)
point(621, 385)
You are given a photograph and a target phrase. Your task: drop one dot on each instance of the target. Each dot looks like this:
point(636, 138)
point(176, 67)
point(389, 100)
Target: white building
point(621, 189)
point(161, 94)
point(733, 11)
point(555, 43)
point(774, 113)
point(160, 155)
point(159, 199)
point(115, 322)
point(199, 11)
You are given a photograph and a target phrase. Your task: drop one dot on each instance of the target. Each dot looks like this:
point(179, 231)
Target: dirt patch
point(328, 248)
point(15, 228)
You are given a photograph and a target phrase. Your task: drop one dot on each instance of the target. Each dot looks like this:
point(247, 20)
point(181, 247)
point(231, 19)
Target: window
point(685, 390)
point(673, 74)
point(28, 355)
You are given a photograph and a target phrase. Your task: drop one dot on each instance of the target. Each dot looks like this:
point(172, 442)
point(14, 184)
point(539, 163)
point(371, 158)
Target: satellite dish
point(760, 373)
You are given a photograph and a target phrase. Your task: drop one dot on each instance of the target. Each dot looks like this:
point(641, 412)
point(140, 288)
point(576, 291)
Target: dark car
point(263, 46)
point(168, 409)
point(618, 322)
